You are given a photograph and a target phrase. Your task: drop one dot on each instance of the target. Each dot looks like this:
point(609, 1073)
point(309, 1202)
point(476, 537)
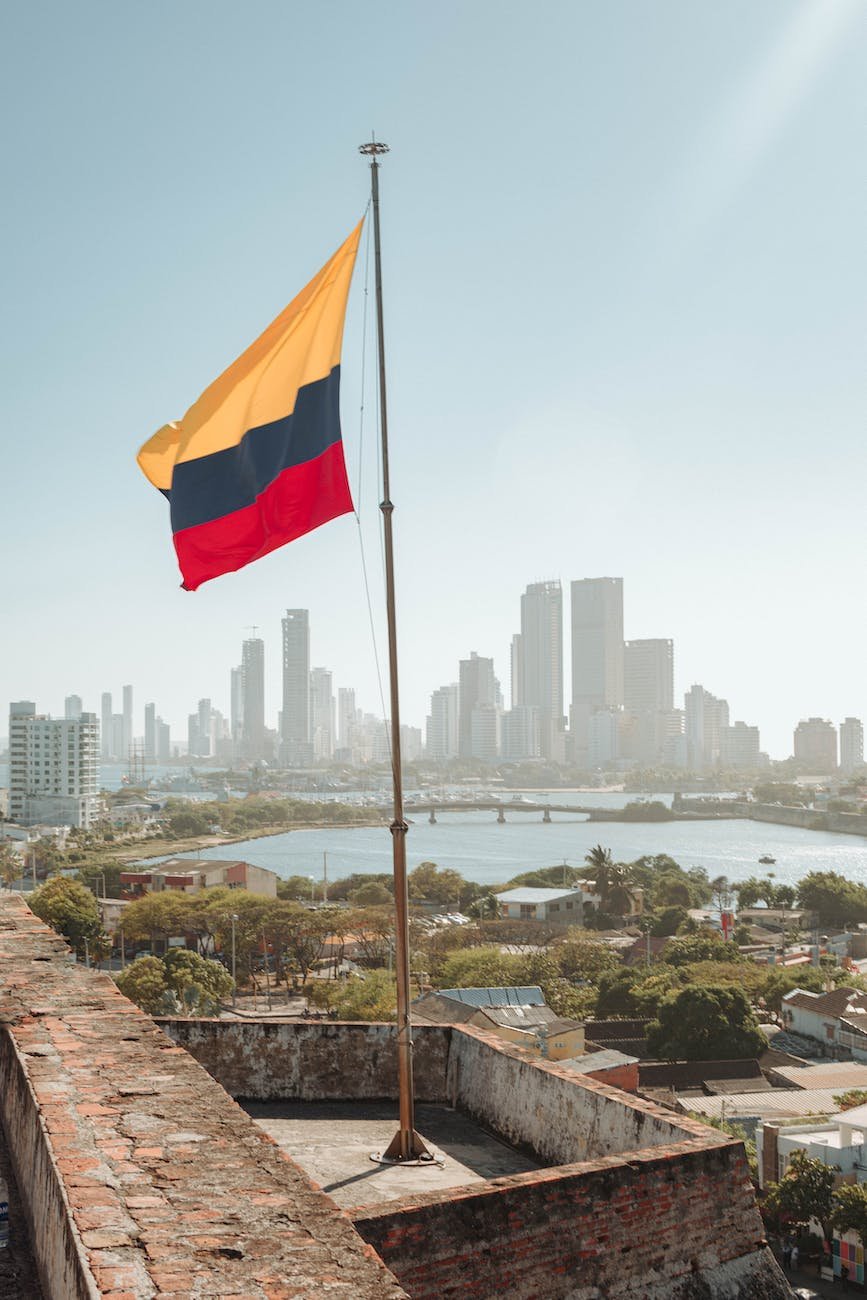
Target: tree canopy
point(70, 909)
point(805, 1192)
point(704, 1023)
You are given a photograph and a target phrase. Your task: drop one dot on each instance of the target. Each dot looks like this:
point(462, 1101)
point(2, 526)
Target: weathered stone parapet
point(320, 1060)
point(140, 1176)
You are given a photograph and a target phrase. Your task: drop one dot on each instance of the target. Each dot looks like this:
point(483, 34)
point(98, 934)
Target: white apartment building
point(851, 745)
point(442, 723)
point(53, 768)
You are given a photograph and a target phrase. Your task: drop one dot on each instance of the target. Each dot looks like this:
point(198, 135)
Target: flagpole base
point(418, 1153)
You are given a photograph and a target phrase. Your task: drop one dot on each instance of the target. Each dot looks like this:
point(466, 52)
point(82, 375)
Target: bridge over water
point(498, 806)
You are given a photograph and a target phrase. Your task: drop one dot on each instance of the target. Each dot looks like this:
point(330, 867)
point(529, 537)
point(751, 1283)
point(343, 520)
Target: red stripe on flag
point(297, 501)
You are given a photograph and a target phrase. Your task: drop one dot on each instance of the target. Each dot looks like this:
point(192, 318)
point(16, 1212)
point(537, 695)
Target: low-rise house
point(840, 1142)
point(191, 875)
point(778, 919)
point(617, 1069)
point(837, 1020)
point(556, 906)
point(518, 1015)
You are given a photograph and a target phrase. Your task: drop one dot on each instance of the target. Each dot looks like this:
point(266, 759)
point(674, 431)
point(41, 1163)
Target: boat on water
point(766, 860)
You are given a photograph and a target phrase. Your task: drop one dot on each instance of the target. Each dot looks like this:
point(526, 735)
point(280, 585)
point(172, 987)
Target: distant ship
point(766, 860)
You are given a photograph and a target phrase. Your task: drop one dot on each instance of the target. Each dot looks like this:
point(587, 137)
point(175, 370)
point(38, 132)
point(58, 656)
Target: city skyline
point(610, 676)
point(647, 361)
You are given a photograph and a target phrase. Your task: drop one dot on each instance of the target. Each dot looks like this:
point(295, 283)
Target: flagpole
point(406, 1144)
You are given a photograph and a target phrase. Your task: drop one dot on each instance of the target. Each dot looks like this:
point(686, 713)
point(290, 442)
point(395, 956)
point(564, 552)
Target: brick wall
point(139, 1175)
point(312, 1060)
point(673, 1224)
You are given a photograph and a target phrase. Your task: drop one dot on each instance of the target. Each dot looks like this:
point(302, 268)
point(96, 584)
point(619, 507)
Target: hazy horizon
point(625, 317)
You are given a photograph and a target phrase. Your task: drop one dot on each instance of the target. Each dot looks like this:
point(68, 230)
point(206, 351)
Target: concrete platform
point(332, 1142)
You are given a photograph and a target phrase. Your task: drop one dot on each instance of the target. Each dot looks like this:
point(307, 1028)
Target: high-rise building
point(519, 734)
point(253, 699)
point(603, 737)
point(485, 732)
point(648, 696)
point(516, 662)
point(705, 716)
point(410, 743)
point(347, 720)
point(442, 724)
point(648, 676)
point(72, 707)
point(164, 741)
point(105, 722)
point(538, 658)
point(597, 655)
point(740, 747)
point(816, 745)
point(127, 724)
point(295, 748)
point(851, 745)
point(150, 732)
point(116, 746)
point(477, 686)
point(321, 714)
point(53, 768)
point(236, 708)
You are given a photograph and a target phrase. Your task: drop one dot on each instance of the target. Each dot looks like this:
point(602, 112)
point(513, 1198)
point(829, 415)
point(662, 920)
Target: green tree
point(435, 884)
point(485, 908)
point(372, 929)
point(707, 945)
point(667, 921)
point(835, 899)
point(616, 995)
point(371, 894)
point(45, 855)
point(672, 891)
point(160, 916)
point(70, 909)
point(298, 888)
point(610, 881)
point(144, 982)
point(805, 1192)
point(705, 1023)
point(199, 984)
point(849, 1210)
point(581, 958)
point(483, 967)
point(11, 865)
point(102, 876)
point(299, 933)
point(373, 997)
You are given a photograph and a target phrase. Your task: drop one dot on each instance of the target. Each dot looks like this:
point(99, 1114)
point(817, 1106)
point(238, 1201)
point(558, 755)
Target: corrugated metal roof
point(776, 1101)
point(529, 996)
point(535, 895)
point(831, 1074)
point(604, 1060)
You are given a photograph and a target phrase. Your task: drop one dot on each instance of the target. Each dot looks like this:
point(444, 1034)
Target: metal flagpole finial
point(373, 148)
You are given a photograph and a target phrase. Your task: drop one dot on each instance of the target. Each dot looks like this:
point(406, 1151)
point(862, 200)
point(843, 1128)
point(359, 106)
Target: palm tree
point(610, 880)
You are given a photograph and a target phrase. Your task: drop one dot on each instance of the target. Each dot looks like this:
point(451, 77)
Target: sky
point(625, 316)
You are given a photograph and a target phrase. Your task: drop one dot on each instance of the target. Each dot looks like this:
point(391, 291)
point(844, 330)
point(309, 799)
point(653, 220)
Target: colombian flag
point(258, 460)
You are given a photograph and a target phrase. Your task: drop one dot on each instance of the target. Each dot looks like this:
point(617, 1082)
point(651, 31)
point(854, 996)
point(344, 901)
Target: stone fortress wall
point(142, 1177)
